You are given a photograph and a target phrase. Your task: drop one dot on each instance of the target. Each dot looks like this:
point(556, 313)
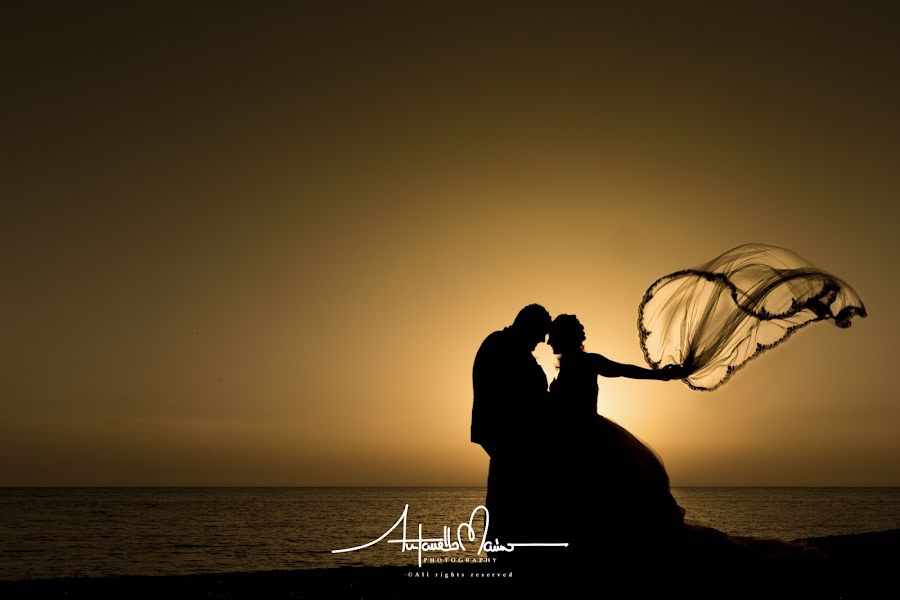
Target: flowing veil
point(716, 317)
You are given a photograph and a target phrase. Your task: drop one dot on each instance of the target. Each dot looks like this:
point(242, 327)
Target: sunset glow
point(275, 267)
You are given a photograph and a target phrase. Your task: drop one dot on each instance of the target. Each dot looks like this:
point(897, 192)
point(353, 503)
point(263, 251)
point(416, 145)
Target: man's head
point(532, 324)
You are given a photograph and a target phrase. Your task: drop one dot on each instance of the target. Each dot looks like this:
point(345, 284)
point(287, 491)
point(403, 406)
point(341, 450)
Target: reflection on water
point(56, 532)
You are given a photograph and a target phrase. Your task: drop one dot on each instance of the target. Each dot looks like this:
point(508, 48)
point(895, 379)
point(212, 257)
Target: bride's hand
point(671, 372)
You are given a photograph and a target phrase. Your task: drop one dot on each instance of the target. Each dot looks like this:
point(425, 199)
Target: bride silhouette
point(619, 487)
point(704, 324)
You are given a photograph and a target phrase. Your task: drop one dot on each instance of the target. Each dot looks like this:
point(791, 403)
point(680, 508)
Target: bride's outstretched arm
point(611, 368)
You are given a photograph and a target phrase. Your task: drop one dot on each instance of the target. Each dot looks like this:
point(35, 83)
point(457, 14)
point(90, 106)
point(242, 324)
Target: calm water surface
point(57, 532)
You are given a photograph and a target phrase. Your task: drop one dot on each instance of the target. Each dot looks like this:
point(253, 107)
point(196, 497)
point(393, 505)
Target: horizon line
point(397, 486)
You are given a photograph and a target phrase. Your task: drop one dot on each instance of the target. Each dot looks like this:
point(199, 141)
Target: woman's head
point(566, 334)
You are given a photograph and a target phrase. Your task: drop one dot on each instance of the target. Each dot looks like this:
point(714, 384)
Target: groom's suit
point(510, 394)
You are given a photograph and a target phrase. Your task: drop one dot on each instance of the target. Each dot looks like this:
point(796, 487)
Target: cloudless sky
point(248, 246)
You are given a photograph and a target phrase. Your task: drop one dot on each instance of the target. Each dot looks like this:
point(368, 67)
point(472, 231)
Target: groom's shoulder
point(494, 343)
point(496, 338)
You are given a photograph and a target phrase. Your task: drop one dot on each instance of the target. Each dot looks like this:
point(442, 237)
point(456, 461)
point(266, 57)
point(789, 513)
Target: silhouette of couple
point(559, 472)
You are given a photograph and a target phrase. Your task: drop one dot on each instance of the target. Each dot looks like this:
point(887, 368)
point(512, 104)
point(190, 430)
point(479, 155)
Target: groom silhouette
point(510, 395)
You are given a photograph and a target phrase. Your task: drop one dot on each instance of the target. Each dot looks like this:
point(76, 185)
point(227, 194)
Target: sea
point(65, 532)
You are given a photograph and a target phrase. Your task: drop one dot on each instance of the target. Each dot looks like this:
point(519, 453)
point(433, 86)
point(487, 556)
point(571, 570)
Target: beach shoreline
point(851, 566)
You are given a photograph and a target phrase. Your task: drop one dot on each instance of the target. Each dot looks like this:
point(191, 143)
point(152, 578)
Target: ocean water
point(60, 532)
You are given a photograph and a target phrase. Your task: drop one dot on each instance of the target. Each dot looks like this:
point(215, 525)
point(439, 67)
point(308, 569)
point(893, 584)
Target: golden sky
point(261, 247)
